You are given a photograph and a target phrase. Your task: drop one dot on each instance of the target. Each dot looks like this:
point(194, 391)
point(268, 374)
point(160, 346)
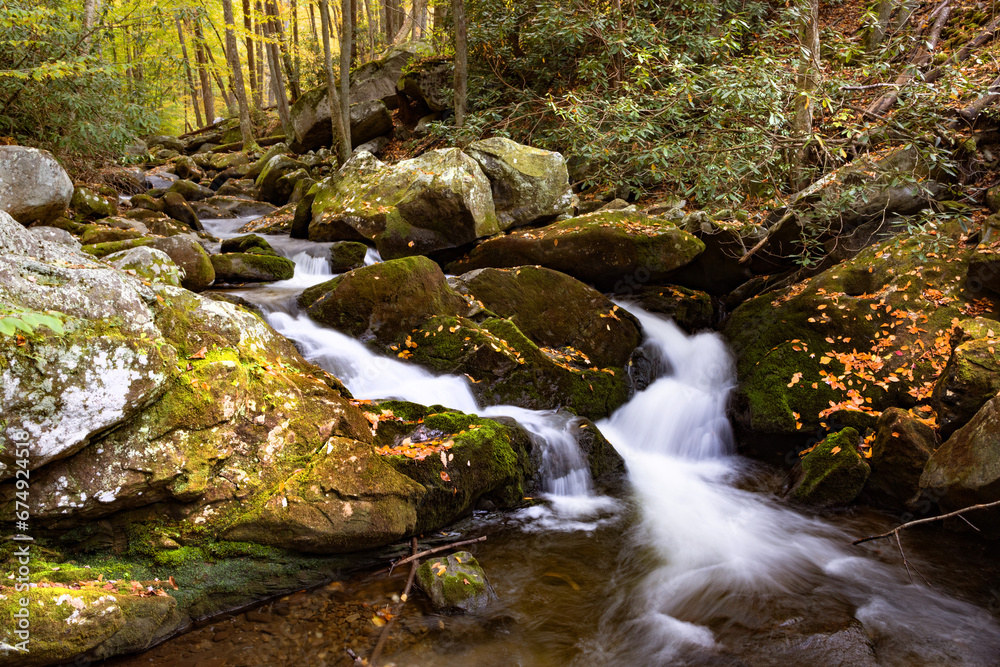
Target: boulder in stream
point(833, 472)
point(455, 583)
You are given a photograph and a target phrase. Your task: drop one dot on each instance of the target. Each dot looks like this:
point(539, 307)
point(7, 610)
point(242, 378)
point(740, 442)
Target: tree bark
point(437, 27)
point(207, 97)
point(346, 32)
point(371, 30)
point(187, 69)
point(461, 61)
point(341, 133)
point(248, 28)
point(354, 29)
point(89, 15)
point(259, 29)
point(393, 19)
point(883, 12)
point(806, 82)
point(312, 23)
point(278, 34)
point(236, 68)
point(277, 80)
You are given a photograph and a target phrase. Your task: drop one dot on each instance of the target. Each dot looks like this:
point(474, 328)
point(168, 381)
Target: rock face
point(64, 388)
point(690, 309)
point(455, 583)
point(437, 201)
point(964, 471)
point(529, 184)
point(406, 307)
point(33, 185)
point(901, 449)
point(867, 335)
point(268, 182)
point(614, 251)
point(429, 84)
point(972, 376)
point(833, 473)
point(147, 263)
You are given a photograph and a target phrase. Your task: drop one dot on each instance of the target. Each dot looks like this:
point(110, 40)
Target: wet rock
point(238, 187)
point(240, 207)
point(984, 270)
point(89, 206)
point(833, 473)
point(717, 270)
point(436, 201)
point(144, 201)
point(609, 250)
point(103, 234)
point(455, 583)
point(963, 471)
point(607, 467)
point(529, 184)
point(177, 208)
point(690, 309)
point(251, 268)
point(33, 186)
point(347, 255)
point(557, 311)
point(375, 146)
point(257, 167)
point(190, 256)
point(147, 263)
point(286, 186)
point(191, 191)
point(993, 198)
point(251, 243)
point(972, 376)
point(268, 182)
point(901, 449)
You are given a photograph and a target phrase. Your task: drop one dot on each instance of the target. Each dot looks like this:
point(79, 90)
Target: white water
point(723, 557)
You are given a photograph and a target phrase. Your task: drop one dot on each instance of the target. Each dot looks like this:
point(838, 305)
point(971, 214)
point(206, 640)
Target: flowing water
point(700, 563)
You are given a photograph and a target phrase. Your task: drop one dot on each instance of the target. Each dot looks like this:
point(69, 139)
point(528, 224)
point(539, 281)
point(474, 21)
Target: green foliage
point(57, 89)
point(27, 321)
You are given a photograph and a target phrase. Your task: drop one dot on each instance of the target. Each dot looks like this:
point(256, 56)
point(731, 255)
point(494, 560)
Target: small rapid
point(708, 561)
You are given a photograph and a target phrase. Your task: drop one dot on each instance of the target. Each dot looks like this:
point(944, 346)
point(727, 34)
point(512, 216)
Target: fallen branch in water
point(377, 652)
point(435, 550)
point(895, 532)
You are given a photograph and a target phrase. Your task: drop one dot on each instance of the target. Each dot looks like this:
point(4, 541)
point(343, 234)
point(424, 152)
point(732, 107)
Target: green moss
point(104, 249)
point(833, 473)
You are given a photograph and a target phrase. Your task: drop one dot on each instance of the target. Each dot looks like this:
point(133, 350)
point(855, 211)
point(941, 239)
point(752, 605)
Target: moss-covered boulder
point(270, 185)
point(189, 255)
point(384, 301)
point(428, 83)
point(175, 206)
point(557, 311)
point(186, 168)
point(964, 471)
point(148, 264)
point(250, 243)
point(190, 190)
point(984, 267)
point(104, 234)
point(972, 376)
point(861, 337)
point(65, 622)
point(250, 267)
point(347, 256)
point(833, 473)
point(406, 308)
point(437, 201)
point(529, 184)
point(455, 583)
point(690, 309)
point(614, 251)
point(88, 205)
point(902, 446)
point(93, 364)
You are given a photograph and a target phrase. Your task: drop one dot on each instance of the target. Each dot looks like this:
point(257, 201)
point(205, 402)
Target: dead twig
point(895, 531)
point(435, 550)
point(384, 637)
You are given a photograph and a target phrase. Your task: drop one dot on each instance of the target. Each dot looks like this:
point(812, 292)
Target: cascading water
point(708, 567)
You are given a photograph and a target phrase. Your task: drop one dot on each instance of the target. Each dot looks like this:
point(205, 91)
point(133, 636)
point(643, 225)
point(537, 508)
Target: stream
point(699, 563)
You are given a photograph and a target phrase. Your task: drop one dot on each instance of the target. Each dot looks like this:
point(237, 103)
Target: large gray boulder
point(311, 127)
point(529, 184)
point(101, 365)
point(33, 185)
point(437, 201)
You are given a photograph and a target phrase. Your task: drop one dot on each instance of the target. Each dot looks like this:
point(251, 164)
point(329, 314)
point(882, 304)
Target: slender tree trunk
point(340, 128)
point(335, 24)
point(187, 69)
point(370, 31)
point(277, 80)
point(229, 102)
point(296, 60)
point(353, 4)
point(346, 33)
point(207, 97)
point(422, 18)
point(89, 15)
point(248, 28)
point(461, 61)
point(278, 35)
point(393, 20)
point(437, 30)
point(261, 57)
point(233, 57)
point(312, 23)
point(807, 81)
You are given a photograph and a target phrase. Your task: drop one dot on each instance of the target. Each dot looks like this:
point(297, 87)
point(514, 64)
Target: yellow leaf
point(835, 450)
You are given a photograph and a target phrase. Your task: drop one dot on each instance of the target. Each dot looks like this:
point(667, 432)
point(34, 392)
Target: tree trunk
point(248, 28)
point(296, 60)
point(236, 68)
point(437, 29)
point(277, 80)
point(187, 69)
point(422, 18)
point(259, 29)
point(393, 19)
point(806, 81)
point(370, 31)
point(312, 23)
point(230, 103)
point(341, 136)
point(207, 97)
point(353, 28)
point(462, 60)
point(89, 15)
point(278, 34)
point(346, 32)
point(883, 12)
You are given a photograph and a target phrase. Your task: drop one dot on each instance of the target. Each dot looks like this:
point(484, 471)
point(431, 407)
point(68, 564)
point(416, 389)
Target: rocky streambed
point(271, 373)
